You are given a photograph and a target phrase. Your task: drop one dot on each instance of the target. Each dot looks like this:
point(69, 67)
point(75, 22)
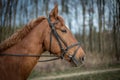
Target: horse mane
point(20, 34)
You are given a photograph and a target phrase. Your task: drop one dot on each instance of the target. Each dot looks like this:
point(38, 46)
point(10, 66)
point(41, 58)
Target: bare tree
point(116, 5)
point(6, 12)
point(103, 35)
point(36, 4)
point(46, 7)
point(14, 13)
point(64, 6)
point(91, 12)
point(83, 3)
point(99, 5)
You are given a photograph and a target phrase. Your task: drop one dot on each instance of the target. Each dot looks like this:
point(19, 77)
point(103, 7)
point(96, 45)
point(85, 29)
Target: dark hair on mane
point(20, 34)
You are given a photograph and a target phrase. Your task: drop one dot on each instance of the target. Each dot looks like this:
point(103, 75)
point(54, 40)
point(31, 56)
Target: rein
point(31, 55)
point(59, 40)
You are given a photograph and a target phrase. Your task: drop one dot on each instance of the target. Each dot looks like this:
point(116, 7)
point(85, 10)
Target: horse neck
point(31, 44)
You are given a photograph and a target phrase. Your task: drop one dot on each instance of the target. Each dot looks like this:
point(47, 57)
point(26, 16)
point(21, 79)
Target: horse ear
point(54, 12)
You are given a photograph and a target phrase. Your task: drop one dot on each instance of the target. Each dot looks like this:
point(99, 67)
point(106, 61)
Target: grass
point(99, 76)
point(79, 69)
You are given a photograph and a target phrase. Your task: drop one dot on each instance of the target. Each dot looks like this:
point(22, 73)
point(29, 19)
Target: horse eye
point(65, 31)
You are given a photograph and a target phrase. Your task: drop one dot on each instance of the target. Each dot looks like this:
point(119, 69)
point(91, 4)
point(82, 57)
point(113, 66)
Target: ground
point(110, 72)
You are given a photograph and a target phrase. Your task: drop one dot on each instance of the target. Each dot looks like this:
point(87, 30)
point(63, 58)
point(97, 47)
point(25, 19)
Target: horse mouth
point(77, 63)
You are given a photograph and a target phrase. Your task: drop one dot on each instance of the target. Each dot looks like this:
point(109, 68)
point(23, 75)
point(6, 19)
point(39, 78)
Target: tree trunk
point(83, 13)
point(6, 12)
point(36, 4)
point(103, 35)
point(100, 25)
point(15, 11)
point(91, 12)
point(115, 29)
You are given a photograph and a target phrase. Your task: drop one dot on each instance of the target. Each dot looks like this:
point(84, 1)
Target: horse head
point(60, 41)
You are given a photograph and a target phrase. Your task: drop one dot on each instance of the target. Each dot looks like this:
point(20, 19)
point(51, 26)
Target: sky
point(77, 24)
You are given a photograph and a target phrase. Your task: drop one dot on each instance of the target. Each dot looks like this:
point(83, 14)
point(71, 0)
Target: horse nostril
point(82, 58)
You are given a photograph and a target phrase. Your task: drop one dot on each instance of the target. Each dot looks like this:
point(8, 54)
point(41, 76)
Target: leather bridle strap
point(59, 40)
point(73, 56)
point(53, 31)
point(30, 55)
point(71, 46)
point(19, 55)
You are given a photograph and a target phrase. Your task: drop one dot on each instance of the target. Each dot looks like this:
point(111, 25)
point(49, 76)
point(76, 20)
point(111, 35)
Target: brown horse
point(34, 38)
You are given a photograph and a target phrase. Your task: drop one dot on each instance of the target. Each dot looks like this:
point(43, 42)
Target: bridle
point(59, 40)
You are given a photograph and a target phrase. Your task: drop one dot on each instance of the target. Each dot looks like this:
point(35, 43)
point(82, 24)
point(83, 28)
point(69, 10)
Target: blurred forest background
point(95, 23)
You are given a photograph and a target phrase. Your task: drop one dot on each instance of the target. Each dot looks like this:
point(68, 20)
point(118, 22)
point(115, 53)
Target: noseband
point(60, 41)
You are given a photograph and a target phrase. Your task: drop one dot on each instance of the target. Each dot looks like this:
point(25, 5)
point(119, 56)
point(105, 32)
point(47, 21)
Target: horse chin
point(73, 64)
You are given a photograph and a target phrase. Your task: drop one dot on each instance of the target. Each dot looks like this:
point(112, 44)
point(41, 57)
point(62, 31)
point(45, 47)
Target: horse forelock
point(20, 34)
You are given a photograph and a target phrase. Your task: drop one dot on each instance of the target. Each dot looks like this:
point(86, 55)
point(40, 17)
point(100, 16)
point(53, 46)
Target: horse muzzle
point(77, 62)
